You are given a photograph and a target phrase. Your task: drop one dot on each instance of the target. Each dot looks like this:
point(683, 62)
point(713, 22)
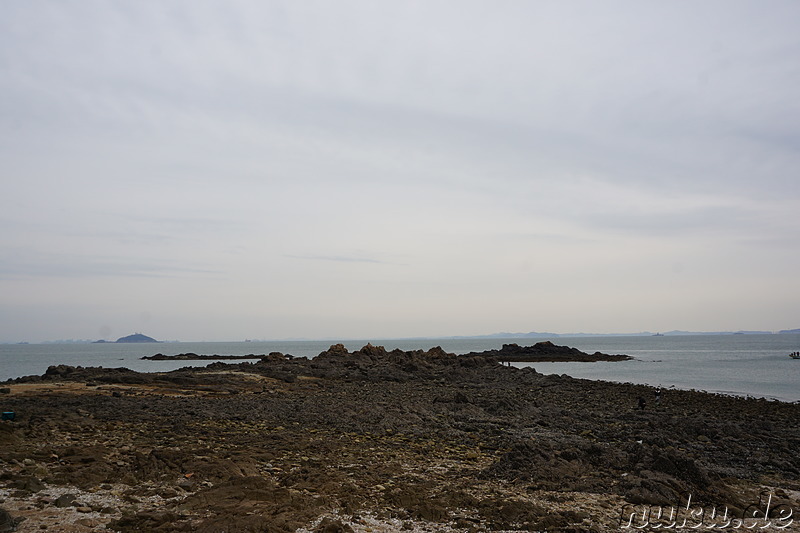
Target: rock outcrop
point(546, 351)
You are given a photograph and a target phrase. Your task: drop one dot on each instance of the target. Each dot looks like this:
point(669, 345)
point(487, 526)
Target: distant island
point(136, 337)
point(673, 333)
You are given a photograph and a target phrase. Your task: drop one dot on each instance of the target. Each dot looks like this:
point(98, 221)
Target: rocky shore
point(377, 440)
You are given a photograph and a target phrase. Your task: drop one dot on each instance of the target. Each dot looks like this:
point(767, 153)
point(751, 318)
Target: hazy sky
point(202, 170)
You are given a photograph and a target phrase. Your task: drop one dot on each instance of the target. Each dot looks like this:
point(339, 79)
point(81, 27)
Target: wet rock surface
point(375, 440)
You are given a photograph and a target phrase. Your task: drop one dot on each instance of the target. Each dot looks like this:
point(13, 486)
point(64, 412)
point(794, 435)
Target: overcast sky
point(202, 170)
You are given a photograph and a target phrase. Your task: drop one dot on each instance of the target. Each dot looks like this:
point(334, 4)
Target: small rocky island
point(546, 351)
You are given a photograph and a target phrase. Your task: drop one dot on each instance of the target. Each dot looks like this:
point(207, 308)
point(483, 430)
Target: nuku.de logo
point(756, 516)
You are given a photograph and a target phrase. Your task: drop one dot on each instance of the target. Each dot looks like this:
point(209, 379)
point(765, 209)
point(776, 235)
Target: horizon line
point(498, 335)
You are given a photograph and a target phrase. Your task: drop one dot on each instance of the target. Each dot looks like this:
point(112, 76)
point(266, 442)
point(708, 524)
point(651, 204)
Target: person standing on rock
point(658, 396)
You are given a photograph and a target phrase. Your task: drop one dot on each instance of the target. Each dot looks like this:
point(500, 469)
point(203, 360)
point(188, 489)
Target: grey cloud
point(552, 238)
point(193, 139)
point(20, 264)
point(682, 223)
point(339, 259)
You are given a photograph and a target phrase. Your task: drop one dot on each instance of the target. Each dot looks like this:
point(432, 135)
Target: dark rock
point(143, 521)
point(431, 511)
point(460, 397)
point(65, 500)
point(58, 371)
point(195, 357)
point(335, 350)
point(545, 351)
point(7, 434)
point(28, 484)
point(7, 522)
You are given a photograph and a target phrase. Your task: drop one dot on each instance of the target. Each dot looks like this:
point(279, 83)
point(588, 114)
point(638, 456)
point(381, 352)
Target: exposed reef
point(540, 352)
point(546, 351)
point(195, 357)
point(376, 440)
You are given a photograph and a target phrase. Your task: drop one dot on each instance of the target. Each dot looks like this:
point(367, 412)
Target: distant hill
point(508, 335)
point(535, 334)
point(136, 337)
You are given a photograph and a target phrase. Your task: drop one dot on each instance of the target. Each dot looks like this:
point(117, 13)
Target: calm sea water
point(755, 365)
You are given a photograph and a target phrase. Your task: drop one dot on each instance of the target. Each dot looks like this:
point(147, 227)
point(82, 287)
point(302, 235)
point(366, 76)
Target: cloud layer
point(362, 169)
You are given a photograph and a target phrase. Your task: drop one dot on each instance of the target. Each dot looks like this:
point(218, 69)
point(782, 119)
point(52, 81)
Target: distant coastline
point(499, 335)
point(537, 334)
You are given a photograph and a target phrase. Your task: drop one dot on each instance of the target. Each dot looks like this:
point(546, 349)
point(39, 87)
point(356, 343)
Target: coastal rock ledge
point(546, 351)
point(377, 440)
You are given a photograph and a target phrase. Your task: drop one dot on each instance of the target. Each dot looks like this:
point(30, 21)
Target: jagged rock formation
point(546, 351)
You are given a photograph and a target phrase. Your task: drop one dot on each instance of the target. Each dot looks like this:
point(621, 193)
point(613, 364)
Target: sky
point(202, 171)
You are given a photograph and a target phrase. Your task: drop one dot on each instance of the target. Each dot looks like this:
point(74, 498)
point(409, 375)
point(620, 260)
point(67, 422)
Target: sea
point(755, 365)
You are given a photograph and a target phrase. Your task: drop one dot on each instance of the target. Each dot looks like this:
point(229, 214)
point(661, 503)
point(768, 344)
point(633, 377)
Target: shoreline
point(378, 440)
point(686, 363)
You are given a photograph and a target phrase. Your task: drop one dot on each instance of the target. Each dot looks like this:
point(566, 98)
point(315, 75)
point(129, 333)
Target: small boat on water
point(795, 355)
